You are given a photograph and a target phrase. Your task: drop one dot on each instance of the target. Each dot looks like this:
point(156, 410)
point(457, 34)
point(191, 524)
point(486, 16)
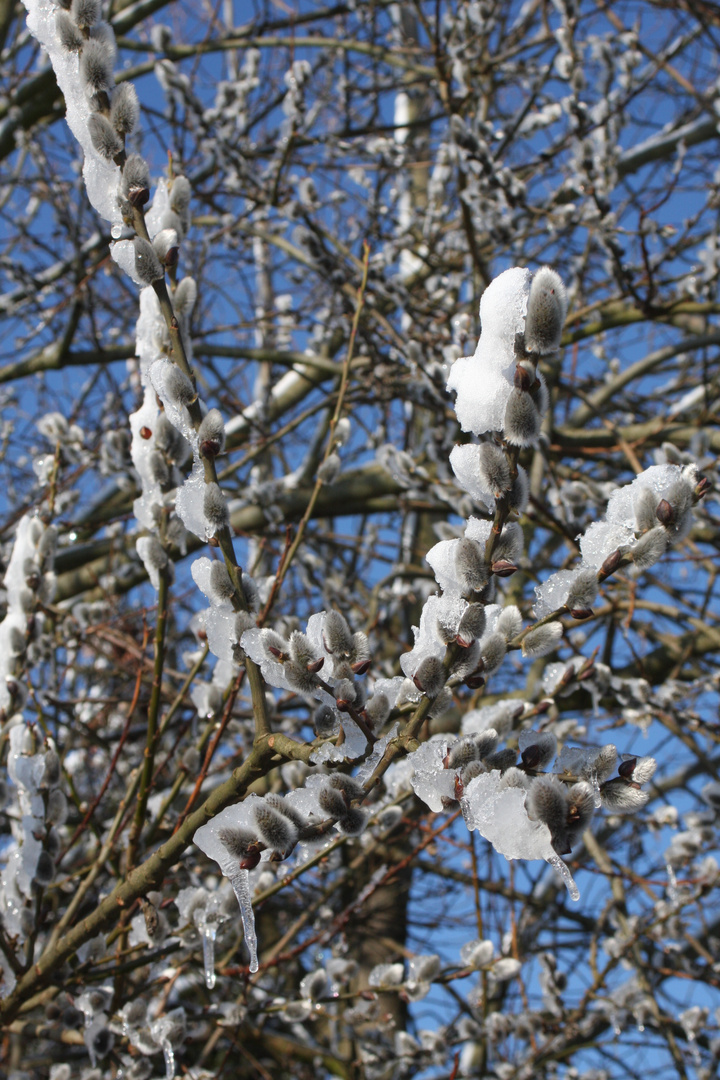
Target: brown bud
point(543, 706)
point(360, 667)
point(586, 673)
point(503, 568)
point(665, 513)
point(531, 756)
point(315, 665)
point(581, 613)
point(523, 379)
point(702, 487)
point(145, 433)
point(277, 653)
point(251, 860)
point(138, 196)
point(475, 681)
point(459, 787)
point(625, 768)
point(611, 563)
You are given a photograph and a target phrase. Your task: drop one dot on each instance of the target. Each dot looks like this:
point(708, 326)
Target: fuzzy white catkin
point(337, 635)
point(85, 12)
point(547, 307)
point(211, 433)
point(430, 676)
point(581, 594)
point(96, 66)
point(125, 109)
point(220, 584)
point(522, 419)
point(542, 640)
point(472, 623)
point(649, 548)
point(135, 175)
point(494, 468)
point(276, 830)
point(70, 37)
point(107, 143)
point(178, 387)
point(509, 622)
point(215, 507)
point(147, 265)
point(493, 649)
point(471, 568)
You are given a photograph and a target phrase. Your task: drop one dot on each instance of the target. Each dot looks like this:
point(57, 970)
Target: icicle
point(562, 869)
point(241, 887)
point(672, 888)
point(596, 789)
point(209, 955)
point(169, 1055)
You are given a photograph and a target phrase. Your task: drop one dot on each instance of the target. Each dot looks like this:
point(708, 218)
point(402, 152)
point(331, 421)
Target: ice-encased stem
point(241, 887)
point(562, 869)
point(169, 1055)
point(209, 955)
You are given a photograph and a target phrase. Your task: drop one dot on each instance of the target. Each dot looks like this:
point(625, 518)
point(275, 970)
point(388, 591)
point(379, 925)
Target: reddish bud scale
point(145, 433)
point(665, 513)
point(611, 563)
point(522, 378)
point(581, 613)
point(361, 667)
point(315, 665)
point(503, 568)
point(474, 682)
point(626, 767)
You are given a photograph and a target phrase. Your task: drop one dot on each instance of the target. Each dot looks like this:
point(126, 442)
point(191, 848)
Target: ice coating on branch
point(498, 813)
point(483, 382)
point(101, 176)
point(208, 840)
point(441, 557)
point(220, 618)
point(622, 503)
point(464, 461)
point(448, 609)
point(430, 780)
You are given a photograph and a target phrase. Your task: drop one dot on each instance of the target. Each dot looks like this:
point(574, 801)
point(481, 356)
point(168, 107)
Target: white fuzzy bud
point(486, 741)
point(462, 753)
point(342, 431)
point(468, 661)
point(546, 310)
point(276, 830)
point(644, 770)
point(621, 796)
point(215, 507)
point(184, 298)
point(301, 651)
point(180, 194)
point(580, 800)
point(237, 840)
point(85, 12)
point(70, 37)
point(494, 468)
point(430, 676)
point(542, 640)
point(377, 709)
point(277, 802)
point(166, 243)
point(493, 649)
point(211, 434)
point(645, 504)
point(331, 801)
point(519, 492)
point(470, 566)
point(546, 802)
point(509, 623)
point(147, 265)
point(221, 584)
point(581, 594)
point(472, 623)
point(135, 176)
point(337, 635)
point(125, 109)
point(522, 419)
point(351, 788)
point(107, 143)
point(178, 387)
point(649, 548)
point(96, 67)
point(330, 469)
point(353, 821)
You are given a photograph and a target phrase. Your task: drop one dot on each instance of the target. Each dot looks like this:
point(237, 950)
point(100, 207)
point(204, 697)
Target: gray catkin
point(221, 585)
point(620, 796)
point(70, 37)
point(135, 175)
point(378, 709)
point(237, 840)
point(468, 661)
point(85, 12)
point(493, 648)
point(580, 800)
point(472, 623)
point(462, 753)
point(581, 594)
point(494, 468)
point(276, 830)
point(108, 144)
point(470, 566)
point(178, 387)
point(184, 298)
point(542, 640)
point(486, 741)
point(45, 869)
point(353, 821)
point(211, 434)
point(180, 194)
point(96, 67)
point(645, 503)
point(158, 467)
point(649, 548)
point(301, 650)
point(325, 722)
point(430, 676)
point(147, 265)
point(277, 802)
point(547, 307)
point(331, 801)
point(125, 109)
point(520, 491)
point(352, 788)
point(171, 441)
point(509, 623)
point(522, 419)
point(546, 802)
point(165, 243)
point(337, 634)
point(215, 507)
point(155, 553)
point(501, 759)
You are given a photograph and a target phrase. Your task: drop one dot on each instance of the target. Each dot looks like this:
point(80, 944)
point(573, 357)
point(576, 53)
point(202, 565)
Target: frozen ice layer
point(448, 610)
point(441, 557)
point(483, 382)
point(600, 540)
point(430, 780)
point(498, 813)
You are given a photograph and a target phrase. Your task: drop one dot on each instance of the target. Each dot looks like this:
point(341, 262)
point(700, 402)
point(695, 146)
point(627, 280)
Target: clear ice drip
point(208, 936)
point(562, 869)
point(241, 887)
point(169, 1055)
